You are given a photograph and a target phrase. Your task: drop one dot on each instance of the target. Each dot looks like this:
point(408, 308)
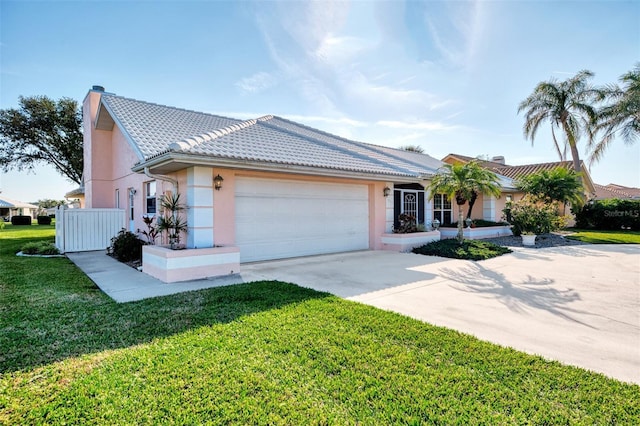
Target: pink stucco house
point(287, 189)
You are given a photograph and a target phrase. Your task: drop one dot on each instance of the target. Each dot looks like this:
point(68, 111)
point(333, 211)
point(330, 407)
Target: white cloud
point(256, 83)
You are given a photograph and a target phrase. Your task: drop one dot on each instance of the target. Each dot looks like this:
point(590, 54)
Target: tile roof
point(152, 127)
point(515, 172)
point(156, 130)
point(484, 163)
point(8, 203)
point(604, 192)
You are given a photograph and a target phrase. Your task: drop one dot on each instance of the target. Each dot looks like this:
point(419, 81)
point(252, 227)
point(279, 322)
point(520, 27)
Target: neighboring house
point(605, 192)
point(286, 189)
point(75, 197)
point(10, 208)
point(497, 165)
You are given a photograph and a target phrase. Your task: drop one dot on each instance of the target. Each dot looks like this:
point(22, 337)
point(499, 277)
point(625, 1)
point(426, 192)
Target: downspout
point(172, 181)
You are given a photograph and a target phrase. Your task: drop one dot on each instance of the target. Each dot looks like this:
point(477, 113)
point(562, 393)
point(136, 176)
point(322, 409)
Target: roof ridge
point(366, 145)
point(351, 152)
point(192, 141)
point(112, 95)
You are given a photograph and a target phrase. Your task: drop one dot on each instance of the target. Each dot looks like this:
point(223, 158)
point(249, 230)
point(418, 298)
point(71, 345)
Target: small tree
point(462, 181)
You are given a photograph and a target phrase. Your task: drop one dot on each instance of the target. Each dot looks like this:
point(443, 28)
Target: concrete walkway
point(576, 304)
point(123, 284)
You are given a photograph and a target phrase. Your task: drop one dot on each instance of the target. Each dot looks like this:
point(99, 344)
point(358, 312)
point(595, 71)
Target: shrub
point(21, 220)
point(407, 224)
point(44, 220)
point(611, 214)
point(40, 247)
point(534, 218)
point(126, 246)
point(469, 249)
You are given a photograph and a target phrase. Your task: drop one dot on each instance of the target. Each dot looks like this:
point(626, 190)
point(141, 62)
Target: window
point(150, 197)
point(117, 203)
point(410, 202)
point(132, 193)
point(442, 208)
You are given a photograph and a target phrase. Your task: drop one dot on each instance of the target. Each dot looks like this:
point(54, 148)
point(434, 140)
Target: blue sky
point(447, 76)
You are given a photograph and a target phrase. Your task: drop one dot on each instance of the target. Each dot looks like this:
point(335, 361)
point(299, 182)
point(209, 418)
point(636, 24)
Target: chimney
point(97, 88)
point(498, 159)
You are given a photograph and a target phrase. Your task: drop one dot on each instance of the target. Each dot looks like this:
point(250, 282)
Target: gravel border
point(542, 241)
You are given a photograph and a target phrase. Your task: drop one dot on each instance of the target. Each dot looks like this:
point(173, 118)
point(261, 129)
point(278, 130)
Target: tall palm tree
point(463, 182)
point(621, 117)
point(567, 105)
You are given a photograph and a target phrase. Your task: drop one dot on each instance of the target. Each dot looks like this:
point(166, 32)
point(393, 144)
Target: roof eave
point(170, 162)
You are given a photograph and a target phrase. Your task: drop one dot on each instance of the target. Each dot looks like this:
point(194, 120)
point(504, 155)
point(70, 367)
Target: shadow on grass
point(57, 313)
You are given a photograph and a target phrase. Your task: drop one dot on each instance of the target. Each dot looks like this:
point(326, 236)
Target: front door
point(409, 199)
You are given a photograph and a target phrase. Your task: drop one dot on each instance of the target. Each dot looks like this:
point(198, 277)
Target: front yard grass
point(261, 353)
point(469, 249)
point(605, 237)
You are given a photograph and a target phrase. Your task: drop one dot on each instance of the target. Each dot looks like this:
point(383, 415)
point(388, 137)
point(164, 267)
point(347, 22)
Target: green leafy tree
point(555, 185)
point(568, 106)
point(42, 130)
point(464, 182)
point(619, 118)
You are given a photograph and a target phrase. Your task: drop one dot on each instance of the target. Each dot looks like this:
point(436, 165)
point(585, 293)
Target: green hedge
point(611, 214)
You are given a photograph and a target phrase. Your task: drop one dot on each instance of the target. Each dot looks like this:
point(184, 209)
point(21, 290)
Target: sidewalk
point(122, 283)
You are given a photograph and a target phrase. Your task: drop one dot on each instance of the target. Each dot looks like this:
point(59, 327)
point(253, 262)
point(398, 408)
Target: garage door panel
point(281, 218)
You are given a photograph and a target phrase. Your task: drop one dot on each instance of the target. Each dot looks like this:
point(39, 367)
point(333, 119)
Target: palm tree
point(464, 182)
point(567, 105)
point(556, 185)
point(620, 117)
point(412, 148)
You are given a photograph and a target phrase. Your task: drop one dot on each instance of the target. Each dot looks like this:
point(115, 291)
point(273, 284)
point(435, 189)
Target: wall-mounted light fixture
point(132, 191)
point(217, 182)
point(386, 191)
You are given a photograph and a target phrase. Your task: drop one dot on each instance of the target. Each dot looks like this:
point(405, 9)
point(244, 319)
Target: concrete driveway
point(577, 304)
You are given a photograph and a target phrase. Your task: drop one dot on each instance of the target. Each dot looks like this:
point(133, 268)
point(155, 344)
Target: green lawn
point(261, 353)
point(605, 237)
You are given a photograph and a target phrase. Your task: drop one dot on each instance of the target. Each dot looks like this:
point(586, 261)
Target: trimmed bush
point(126, 246)
point(469, 249)
point(40, 247)
point(614, 214)
point(21, 220)
point(44, 220)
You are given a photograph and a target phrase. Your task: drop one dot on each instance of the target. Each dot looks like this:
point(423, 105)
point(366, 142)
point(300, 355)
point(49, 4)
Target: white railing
point(87, 229)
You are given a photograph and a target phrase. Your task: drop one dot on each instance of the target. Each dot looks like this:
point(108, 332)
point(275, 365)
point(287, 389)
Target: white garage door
point(283, 218)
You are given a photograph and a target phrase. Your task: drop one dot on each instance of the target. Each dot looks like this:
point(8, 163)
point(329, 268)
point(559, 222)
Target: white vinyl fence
point(87, 229)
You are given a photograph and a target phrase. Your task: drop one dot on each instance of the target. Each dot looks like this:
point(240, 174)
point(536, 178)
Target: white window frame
point(415, 192)
point(117, 195)
point(150, 192)
point(438, 212)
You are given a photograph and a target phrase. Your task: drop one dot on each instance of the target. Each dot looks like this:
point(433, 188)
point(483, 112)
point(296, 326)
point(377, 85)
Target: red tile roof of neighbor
point(604, 192)
point(516, 172)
